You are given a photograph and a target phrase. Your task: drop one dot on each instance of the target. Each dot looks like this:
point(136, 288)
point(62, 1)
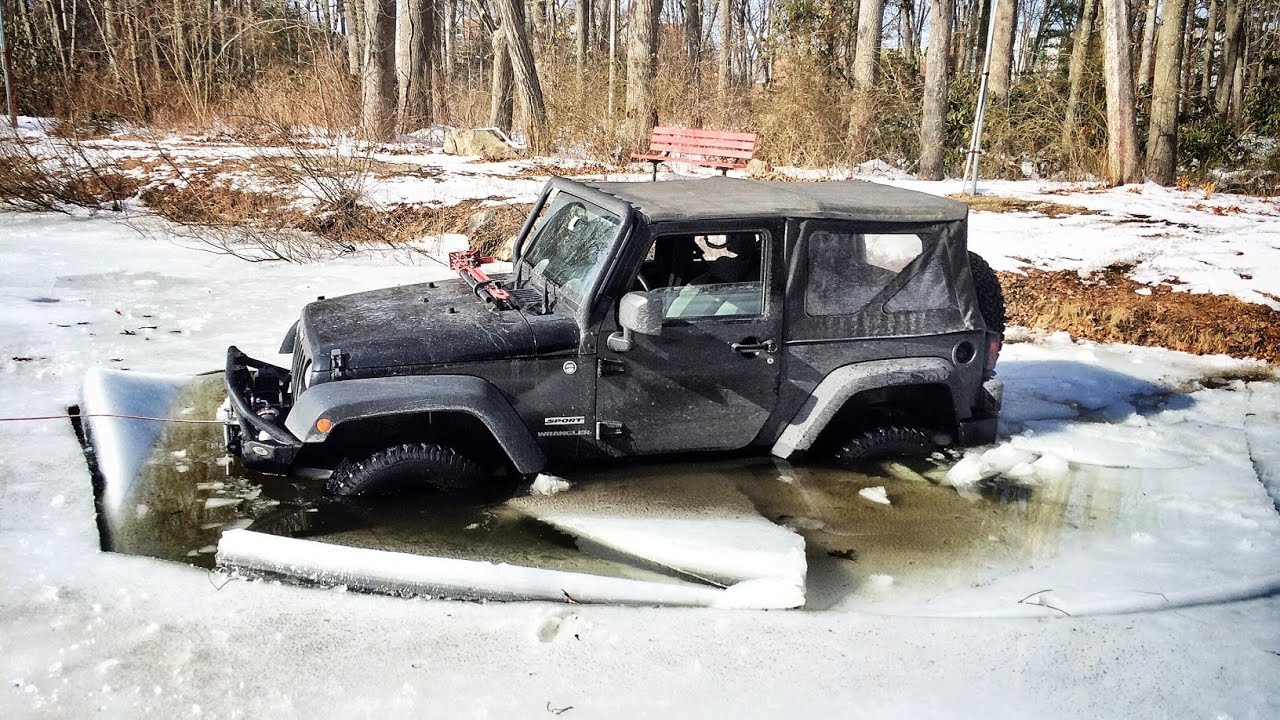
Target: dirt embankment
point(1109, 307)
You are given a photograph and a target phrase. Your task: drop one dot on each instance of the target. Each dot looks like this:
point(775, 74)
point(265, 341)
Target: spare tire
point(990, 297)
point(414, 465)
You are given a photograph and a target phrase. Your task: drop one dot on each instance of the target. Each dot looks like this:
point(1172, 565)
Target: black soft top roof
point(724, 198)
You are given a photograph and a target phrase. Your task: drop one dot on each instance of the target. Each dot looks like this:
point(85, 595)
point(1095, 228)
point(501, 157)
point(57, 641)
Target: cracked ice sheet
point(699, 525)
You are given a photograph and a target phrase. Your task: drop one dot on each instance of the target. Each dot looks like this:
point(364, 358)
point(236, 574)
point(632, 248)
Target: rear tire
point(883, 442)
point(986, 286)
point(409, 466)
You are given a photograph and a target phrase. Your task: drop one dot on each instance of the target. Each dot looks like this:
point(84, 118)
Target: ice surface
point(1202, 537)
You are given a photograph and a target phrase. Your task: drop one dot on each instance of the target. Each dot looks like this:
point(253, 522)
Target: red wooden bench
point(717, 149)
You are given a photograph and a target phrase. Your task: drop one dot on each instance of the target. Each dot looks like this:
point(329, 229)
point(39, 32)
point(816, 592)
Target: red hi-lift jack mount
point(467, 263)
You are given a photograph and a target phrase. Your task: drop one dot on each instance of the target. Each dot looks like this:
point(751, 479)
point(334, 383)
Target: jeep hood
point(418, 325)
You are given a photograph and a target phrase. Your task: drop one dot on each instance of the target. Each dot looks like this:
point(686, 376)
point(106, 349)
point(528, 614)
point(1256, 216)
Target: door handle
point(752, 347)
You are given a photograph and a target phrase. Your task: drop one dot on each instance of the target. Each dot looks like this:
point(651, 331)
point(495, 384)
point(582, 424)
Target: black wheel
point(990, 297)
point(882, 442)
point(414, 465)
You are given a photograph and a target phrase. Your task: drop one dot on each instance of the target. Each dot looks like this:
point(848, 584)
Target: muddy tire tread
point(441, 467)
point(888, 441)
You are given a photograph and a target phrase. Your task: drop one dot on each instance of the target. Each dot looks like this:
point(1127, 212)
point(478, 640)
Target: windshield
point(569, 247)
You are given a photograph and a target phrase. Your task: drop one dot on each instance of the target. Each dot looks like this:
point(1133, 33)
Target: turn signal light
point(324, 425)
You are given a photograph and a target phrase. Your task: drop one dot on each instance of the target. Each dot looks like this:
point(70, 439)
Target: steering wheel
point(644, 284)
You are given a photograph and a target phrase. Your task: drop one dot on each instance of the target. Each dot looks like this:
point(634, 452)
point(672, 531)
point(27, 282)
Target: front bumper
point(260, 440)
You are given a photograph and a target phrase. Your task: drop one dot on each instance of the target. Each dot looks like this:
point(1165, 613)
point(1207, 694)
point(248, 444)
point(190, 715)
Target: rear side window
point(849, 270)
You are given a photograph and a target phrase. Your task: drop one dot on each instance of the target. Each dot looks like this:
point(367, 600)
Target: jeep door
point(709, 380)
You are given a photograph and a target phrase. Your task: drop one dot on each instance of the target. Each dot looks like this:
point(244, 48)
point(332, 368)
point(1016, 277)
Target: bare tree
point(354, 18)
point(1148, 44)
point(1122, 129)
point(866, 73)
point(582, 33)
point(413, 64)
point(726, 46)
point(693, 38)
point(1162, 134)
point(1080, 47)
point(1002, 47)
point(525, 73)
point(1232, 42)
point(501, 91)
point(642, 64)
point(378, 79)
point(1210, 40)
point(933, 124)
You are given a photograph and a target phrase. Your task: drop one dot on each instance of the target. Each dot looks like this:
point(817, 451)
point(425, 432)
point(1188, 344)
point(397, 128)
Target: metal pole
point(6, 60)
point(979, 115)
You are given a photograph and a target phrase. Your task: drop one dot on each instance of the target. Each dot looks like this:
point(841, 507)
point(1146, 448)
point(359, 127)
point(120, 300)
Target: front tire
point(884, 442)
point(408, 466)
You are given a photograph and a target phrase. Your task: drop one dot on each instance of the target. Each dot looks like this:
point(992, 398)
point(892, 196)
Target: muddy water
point(928, 535)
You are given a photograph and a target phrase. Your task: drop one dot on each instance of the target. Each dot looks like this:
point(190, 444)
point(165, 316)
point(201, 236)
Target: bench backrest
point(716, 143)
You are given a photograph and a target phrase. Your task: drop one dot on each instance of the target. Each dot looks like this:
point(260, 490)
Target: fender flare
point(849, 380)
point(360, 399)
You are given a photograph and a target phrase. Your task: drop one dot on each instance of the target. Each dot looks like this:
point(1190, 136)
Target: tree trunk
point(866, 60)
point(1148, 44)
point(1162, 134)
point(525, 73)
point(378, 81)
point(581, 24)
point(613, 55)
point(693, 39)
point(413, 64)
point(866, 72)
point(933, 124)
point(1080, 48)
point(501, 98)
point(642, 63)
point(1122, 130)
point(1002, 48)
point(355, 37)
point(1210, 39)
point(726, 46)
point(1233, 36)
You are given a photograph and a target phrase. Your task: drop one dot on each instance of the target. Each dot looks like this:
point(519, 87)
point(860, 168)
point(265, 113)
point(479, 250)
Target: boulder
point(757, 168)
point(482, 142)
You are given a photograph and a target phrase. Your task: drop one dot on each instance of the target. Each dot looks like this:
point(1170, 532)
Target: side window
point(848, 270)
point(701, 276)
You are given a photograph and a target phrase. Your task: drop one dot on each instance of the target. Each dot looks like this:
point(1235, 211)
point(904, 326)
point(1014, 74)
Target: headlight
point(304, 376)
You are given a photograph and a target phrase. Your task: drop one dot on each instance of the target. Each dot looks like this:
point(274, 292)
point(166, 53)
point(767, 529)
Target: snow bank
point(417, 575)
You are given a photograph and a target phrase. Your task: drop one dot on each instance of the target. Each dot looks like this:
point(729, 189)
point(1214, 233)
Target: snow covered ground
point(1140, 578)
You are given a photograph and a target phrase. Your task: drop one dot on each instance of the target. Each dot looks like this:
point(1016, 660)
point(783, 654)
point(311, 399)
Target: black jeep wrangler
point(639, 319)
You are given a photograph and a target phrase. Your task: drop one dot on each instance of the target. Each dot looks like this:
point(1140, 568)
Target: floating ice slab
point(122, 445)
point(698, 524)
point(405, 574)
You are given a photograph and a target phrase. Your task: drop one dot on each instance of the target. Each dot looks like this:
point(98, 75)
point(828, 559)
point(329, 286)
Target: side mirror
point(637, 313)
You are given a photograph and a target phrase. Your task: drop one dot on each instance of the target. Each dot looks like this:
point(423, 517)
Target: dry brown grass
point(69, 177)
point(1000, 204)
point(208, 201)
point(1107, 308)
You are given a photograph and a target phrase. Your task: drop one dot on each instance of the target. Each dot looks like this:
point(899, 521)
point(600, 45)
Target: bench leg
point(654, 163)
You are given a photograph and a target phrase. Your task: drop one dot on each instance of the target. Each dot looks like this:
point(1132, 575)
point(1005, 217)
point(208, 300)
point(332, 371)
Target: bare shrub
point(60, 174)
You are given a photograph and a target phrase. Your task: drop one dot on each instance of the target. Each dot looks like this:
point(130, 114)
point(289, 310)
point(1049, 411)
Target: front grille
point(298, 368)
